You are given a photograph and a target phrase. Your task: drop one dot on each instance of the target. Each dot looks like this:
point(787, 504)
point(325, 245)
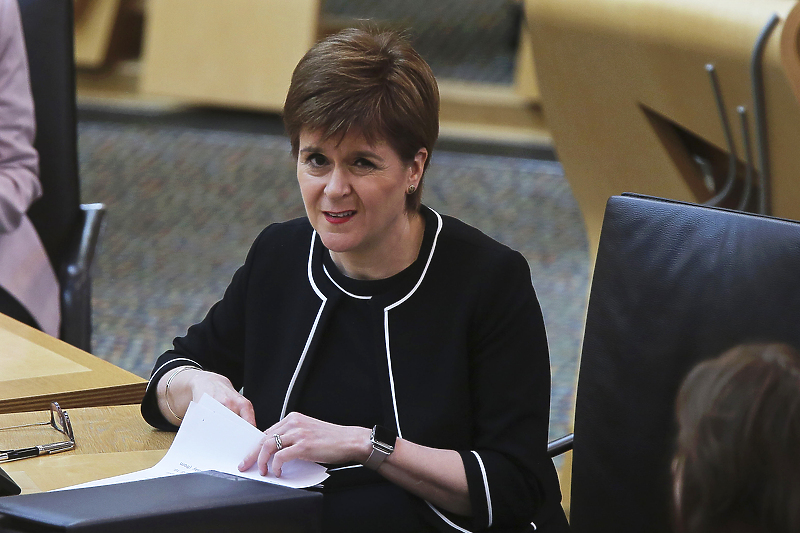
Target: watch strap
point(380, 450)
point(376, 458)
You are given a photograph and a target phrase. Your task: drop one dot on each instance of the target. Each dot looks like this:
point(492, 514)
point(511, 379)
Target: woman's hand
point(303, 437)
point(189, 384)
point(433, 474)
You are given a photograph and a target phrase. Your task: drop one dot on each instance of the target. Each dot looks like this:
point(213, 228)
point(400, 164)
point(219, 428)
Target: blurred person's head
point(369, 84)
point(737, 463)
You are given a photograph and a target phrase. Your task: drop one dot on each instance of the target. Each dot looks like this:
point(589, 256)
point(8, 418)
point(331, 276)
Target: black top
point(342, 383)
point(454, 345)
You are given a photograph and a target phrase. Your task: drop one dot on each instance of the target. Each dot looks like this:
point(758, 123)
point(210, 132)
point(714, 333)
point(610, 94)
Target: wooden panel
point(238, 53)
point(488, 111)
point(790, 48)
point(605, 68)
point(94, 24)
point(37, 369)
point(524, 69)
point(109, 441)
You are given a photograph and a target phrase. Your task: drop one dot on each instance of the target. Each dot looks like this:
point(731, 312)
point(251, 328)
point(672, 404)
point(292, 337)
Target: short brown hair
point(370, 82)
point(737, 460)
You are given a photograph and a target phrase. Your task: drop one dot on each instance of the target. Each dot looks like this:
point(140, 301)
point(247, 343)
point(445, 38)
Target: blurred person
point(737, 466)
point(402, 348)
point(29, 290)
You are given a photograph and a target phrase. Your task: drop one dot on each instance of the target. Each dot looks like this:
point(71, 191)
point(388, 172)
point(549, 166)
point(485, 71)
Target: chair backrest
point(48, 28)
point(673, 284)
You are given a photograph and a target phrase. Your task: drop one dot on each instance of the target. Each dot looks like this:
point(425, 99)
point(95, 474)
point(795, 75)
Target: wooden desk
point(36, 369)
point(110, 441)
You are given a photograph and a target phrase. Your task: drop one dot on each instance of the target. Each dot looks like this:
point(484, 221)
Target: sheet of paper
point(212, 437)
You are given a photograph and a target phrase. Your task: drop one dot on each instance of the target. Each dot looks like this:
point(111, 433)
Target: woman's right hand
point(189, 384)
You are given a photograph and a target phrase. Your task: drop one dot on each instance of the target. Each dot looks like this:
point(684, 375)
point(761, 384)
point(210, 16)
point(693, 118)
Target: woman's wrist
point(166, 391)
point(172, 397)
point(362, 446)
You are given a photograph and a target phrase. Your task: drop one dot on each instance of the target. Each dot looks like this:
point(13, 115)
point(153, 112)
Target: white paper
point(211, 437)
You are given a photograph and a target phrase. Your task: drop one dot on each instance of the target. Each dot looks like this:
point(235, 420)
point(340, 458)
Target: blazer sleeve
point(509, 473)
point(19, 162)
point(216, 344)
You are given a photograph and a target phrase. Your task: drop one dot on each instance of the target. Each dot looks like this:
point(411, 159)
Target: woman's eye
point(364, 163)
point(316, 160)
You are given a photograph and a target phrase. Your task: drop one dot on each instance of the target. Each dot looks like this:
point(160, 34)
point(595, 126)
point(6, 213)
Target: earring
point(411, 189)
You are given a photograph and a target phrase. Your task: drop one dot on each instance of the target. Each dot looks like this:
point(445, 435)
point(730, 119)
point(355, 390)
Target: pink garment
point(25, 271)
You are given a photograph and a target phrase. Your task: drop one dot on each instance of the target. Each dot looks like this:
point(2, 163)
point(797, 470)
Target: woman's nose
point(338, 183)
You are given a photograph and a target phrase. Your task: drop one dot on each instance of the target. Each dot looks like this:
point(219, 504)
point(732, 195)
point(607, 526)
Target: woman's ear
point(418, 166)
point(677, 488)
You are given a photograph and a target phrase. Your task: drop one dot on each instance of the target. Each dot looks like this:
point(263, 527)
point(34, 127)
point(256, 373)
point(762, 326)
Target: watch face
point(383, 435)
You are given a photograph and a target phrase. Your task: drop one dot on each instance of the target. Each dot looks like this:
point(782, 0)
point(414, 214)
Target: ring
point(278, 442)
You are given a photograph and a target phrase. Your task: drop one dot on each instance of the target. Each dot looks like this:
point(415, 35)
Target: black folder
point(202, 502)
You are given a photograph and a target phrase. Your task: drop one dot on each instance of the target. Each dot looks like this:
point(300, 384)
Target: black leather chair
point(68, 229)
point(674, 284)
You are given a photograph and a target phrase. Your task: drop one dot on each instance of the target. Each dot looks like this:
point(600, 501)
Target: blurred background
point(180, 136)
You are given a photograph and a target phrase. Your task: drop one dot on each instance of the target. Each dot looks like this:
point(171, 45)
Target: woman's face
point(354, 192)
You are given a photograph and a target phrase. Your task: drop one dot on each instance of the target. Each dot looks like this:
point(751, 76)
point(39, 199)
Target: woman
point(736, 465)
point(29, 289)
point(375, 331)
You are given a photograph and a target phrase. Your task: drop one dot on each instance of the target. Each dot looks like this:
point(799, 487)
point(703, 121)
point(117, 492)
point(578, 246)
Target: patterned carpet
point(184, 205)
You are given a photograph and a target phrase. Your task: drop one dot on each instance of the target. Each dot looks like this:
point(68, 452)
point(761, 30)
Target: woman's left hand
point(303, 437)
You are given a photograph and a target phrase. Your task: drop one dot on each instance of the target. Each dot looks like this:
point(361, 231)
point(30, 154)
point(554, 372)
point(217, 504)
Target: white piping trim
point(392, 306)
point(485, 486)
point(447, 520)
point(150, 381)
point(350, 294)
point(427, 264)
point(310, 275)
point(344, 468)
point(313, 328)
point(391, 373)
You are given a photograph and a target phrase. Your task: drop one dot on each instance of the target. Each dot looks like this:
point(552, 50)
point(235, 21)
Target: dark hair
point(369, 82)
point(737, 463)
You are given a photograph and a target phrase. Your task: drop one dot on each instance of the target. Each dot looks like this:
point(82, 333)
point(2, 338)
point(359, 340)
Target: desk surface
point(110, 441)
point(36, 369)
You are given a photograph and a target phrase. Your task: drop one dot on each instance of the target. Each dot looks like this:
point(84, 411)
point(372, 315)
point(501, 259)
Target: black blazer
point(465, 359)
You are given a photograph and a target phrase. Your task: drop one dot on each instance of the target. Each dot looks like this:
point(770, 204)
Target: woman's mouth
point(338, 217)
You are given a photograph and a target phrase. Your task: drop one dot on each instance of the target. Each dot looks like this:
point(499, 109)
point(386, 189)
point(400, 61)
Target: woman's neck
point(394, 255)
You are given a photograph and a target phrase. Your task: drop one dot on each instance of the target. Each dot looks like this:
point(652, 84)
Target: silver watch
point(383, 441)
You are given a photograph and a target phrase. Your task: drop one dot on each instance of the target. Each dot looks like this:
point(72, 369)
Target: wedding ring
point(278, 442)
